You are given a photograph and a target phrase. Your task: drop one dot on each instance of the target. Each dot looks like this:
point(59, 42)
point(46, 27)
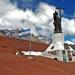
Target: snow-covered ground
point(30, 53)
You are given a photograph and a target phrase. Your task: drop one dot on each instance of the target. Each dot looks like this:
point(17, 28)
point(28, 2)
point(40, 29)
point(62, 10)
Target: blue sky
point(67, 5)
point(13, 12)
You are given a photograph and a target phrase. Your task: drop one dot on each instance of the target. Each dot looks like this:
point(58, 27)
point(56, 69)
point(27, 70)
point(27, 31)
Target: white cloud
point(0, 20)
point(12, 17)
point(41, 17)
point(5, 6)
point(68, 26)
point(69, 42)
point(47, 10)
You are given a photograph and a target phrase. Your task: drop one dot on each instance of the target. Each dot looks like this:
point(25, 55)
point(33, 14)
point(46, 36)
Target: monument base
point(58, 41)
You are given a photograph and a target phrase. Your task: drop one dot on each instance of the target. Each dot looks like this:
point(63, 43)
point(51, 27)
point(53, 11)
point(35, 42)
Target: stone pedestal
point(58, 41)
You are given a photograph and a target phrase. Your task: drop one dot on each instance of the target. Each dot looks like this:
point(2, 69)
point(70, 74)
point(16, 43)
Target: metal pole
point(30, 44)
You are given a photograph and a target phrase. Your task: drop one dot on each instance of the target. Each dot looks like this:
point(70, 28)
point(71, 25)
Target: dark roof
point(66, 46)
point(72, 46)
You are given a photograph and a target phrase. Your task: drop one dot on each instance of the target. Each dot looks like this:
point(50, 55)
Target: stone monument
point(58, 37)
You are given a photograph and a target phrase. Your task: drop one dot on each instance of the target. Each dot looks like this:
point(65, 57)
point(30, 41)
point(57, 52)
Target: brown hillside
point(12, 45)
point(10, 64)
point(17, 65)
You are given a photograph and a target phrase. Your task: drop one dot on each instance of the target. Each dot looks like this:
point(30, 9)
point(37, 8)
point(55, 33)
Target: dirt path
point(18, 65)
